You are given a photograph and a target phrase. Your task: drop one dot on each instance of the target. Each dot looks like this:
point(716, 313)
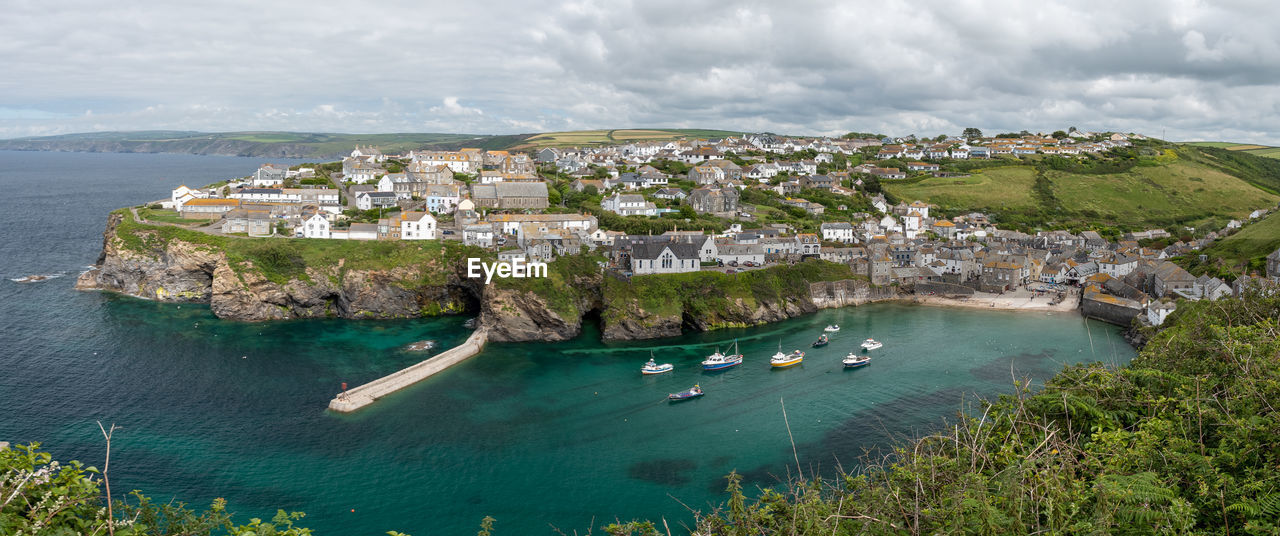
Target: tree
point(941, 137)
point(1058, 134)
point(971, 133)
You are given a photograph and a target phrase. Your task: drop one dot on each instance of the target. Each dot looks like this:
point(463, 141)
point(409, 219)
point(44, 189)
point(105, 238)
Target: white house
point(370, 200)
point(270, 176)
point(317, 226)
point(837, 232)
point(629, 205)
point(417, 226)
point(182, 194)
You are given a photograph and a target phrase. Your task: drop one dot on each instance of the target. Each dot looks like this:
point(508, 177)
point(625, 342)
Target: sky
point(1186, 70)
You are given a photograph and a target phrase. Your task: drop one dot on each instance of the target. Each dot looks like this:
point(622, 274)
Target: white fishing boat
point(719, 361)
point(652, 367)
point(854, 360)
point(832, 328)
point(871, 344)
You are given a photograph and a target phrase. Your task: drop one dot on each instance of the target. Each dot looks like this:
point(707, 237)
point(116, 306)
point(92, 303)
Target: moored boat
point(854, 360)
point(780, 360)
point(871, 344)
point(832, 328)
point(693, 392)
point(719, 361)
point(822, 341)
point(652, 367)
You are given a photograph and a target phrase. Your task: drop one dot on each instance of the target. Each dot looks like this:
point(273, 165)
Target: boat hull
point(857, 364)
point(656, 371)
point(785, 364)
point(721, 366)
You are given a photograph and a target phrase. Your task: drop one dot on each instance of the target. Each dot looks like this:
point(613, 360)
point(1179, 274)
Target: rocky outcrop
point(186, 272)
point(513, 315)
point(179, 272)
point(847, 293)
point(629, 321)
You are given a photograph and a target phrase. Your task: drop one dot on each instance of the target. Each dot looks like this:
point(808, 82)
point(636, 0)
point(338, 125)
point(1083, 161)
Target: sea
point(546, 438)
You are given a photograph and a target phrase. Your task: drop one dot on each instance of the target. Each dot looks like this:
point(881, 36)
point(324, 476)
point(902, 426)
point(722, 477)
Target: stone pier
point(368, 393)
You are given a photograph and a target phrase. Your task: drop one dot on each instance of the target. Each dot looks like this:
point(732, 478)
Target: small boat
point(719, 361)
point(822, 341)
point(693, 392)
point(652, 367)
point(832, 328)
point(780, 360)
point(871, 344)
point(854, 360)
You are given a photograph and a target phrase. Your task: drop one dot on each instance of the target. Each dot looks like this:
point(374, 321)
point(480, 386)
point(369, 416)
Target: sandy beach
point(1018, 300)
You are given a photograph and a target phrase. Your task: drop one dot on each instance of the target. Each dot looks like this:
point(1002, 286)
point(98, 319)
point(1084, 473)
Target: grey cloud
point(1205, 71)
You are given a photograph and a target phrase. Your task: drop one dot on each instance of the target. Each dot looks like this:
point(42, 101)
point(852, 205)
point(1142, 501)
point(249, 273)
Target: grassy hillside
point(1186, 185)
point(1256, 150)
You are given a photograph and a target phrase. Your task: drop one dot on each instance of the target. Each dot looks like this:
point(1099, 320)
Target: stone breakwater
point(364, 395)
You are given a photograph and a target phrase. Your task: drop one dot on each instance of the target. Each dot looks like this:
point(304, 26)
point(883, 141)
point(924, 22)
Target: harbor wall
point(369, 393)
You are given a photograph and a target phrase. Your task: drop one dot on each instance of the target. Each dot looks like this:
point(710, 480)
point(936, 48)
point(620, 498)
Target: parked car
point(733, 263)
point(731, 271)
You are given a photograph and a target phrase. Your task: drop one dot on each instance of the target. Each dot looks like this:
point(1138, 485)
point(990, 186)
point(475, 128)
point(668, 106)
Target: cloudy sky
point(1196, 70)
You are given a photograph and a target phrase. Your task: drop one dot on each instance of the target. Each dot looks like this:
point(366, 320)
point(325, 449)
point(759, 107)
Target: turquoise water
point(535, 435)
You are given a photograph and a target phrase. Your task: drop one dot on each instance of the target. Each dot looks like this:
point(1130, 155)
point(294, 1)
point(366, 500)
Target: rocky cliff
point(187, 271)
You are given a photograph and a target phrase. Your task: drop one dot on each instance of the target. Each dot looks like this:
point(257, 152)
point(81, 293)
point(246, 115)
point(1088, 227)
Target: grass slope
point(1256, 150)
point(1185, 186)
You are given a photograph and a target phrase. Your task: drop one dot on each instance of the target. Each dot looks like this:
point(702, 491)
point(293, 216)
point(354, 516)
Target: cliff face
point(629, 319)
point(182, 271)
point(523, 315)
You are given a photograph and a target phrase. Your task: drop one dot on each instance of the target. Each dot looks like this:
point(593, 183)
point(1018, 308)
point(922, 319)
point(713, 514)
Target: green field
point(1259, 150)
point(1186, 187)
point(1001, 188)
point(1180, 191)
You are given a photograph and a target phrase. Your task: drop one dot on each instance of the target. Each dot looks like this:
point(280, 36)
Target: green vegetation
point(167, 216)
point(1132, 188)
point(1241, 253)
point(1256, 150)
point(712, 296)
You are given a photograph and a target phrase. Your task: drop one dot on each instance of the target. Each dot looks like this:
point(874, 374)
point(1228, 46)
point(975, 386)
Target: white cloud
point(1201, 70)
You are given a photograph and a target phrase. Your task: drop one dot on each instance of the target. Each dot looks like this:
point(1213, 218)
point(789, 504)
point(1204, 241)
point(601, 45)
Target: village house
point(629, 205)
point(714, 200)
point(182, 194)
point(663, 257)
point(315, 226)
point(372, 200)
point(442, 198)
point(740, 254)
point(207, 208)
point(511, 223)
point(250, 222)
point(838, 232)
point(416, 225)
point(510, 195)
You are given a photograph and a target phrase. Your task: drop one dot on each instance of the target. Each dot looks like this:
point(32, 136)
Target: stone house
point(663, 257)
point(714, 200)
